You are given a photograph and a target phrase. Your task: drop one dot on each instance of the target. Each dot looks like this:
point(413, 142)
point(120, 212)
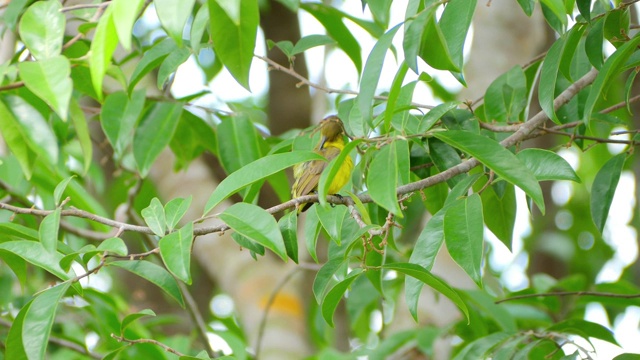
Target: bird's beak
point(322, 141)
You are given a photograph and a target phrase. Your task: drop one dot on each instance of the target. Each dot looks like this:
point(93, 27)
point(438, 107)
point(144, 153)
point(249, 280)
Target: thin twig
point(304, 80)
point(570, 293)
point(85, 6)
point(166, 348)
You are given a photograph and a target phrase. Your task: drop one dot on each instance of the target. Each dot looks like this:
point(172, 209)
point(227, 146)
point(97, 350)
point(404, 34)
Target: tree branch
point(166, 348)
point(570, 293)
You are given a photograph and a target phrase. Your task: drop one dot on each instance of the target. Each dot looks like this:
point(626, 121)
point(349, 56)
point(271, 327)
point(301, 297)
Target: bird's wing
point(309, 172)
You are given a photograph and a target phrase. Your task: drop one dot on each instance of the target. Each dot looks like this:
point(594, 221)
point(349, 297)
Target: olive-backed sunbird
point(307, 175)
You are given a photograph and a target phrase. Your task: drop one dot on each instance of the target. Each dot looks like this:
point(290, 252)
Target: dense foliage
point(79, 75)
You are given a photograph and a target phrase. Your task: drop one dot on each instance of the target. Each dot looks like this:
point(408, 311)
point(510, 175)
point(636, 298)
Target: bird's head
point(331, 128)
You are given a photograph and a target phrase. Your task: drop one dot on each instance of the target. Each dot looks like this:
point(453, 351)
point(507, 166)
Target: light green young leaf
point(198, 27)
point(175, 250)
point(32, 127)
point(133, 317)
point(255, 171)
point(114, 245)
point(60, 188)
point(154, 134)
point(331, 300)
point(175, 209)
point(464, 235)
point(547, 165)
point(382, 179)
point(234, 37)
point(332, 220)
point(49, 79)
point(49, 231)
point(173, 15)
point(38, 320)
point(124, 16)
point(432, 281)
point(394, 93)
point(497, 158)
point(311, 41)
point(603, 189)
point(324, 277)
point(82, 132)
point(16, 139)
point(582, 327)
point(154, 217)
point(103, 45)
point(154, 274)
point(42, 29)
point(256, 224)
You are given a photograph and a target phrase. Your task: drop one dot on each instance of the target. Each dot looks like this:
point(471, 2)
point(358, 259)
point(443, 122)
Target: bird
point(307, 174)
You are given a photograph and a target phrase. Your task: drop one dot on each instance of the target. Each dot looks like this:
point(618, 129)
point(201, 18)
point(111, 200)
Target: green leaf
point(611, 67)
point(372, 71)
point(114, 245)
point(256, 170)
point(424, 254)
point(170, 65)
point(499, 211)
point(125, 13)
point(445, 157)
point(33, 128)
point(413, 32)
point(234, 37)
point(60, 188)
point(603, 189)
point(435, 114)
point(312, 227)
point(154, 274)
point(12, 231)
point(151, 59)
point(154, 134)
point(15, 346)
point(198, 27)
point(154, 217)
point(464, 235)
point(382, 178)
point(173, 15)
point(583, 327)
point(118, 117)
point(332, 220)
point(506, 97)
point(175, 250)
point(331, 300)
point(36, 254)
point(549, 72)
point(547, 165)
point(311, 41)
point(133, 317)
point(82, 132)
point(594, 42)
point(394, 93)
point(175, 209)
point(433, 46)
point(330, 172)
point(38, 321)
point(258, 225)
point(479, 348)
point(238, 143)
point(331, 19)
point(500, 160)
point(432, 281)
point(50, 80)
point(17, 140)
point(527, 6)
point(49, 231)
point(13, 10)
point(455, 22)
point(42, 29)
point(324, 276)
point(103, 45)
point(289, 228)
point(555, 14)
